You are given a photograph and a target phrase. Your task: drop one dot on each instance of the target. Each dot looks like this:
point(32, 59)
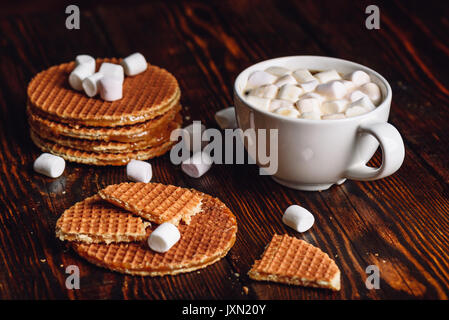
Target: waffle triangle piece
point(294, 261)
point(208, 238)
point(94, 220)
point(154, 201)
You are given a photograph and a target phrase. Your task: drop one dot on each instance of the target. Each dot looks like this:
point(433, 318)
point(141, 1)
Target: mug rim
point(378, 108)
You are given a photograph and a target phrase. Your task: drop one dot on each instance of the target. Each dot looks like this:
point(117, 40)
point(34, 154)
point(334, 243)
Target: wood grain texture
point(400, 223)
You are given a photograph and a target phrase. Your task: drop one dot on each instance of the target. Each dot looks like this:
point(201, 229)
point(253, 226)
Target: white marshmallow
point(134, 64)
point(139, 171)
point(278, 103)
point(164, 237)
point(257, 102)
point(290, 112)
point(111, 89)
point(312, 95)
point(309, 86)
point(363, 102)
point(356, 95)
point(226, 118)
point(85, 59)
point(197, 165)
point(349, 85)
point(289, 92)
point(80, 73)
point(311, 115)
point(355, 111)
point(260, 78)
point(92, 83)
point(358, 77)
point(194, 132)
point(303, 75)
point(334, 106)
point(335, 116)
point(298, 218)
point(287, 79)
point(372, 90)
point(326, 76)
point(278, 71)
point(268, 91)
point(309, 105)
point(112, 70)
point(49, 165)
point(332, 89)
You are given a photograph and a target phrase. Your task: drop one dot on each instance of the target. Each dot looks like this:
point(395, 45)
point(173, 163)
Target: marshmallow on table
point(193, 132)
point(289, 92)
point(226, 117)
point(298, 218)
point(290, 112)
point(92, 83)
point(85, 59)
point(261, 103)
point(267, 91)
point(334, 106)
point(326, 76)
point(134, 64)
point(80, 73)
point(332, 89)
point(309, 86)
point(303, 75)
point(278, 71)
point(309, 105)
point(49, 165)
point(260, 78)
point(112, 70)
point(286, 79)
point(197, 165)
point(358, 77)
point(335, 116)
point(164, 237)
point(372, 90)
point(111, 88)
point(139, 171)
point(278, 103)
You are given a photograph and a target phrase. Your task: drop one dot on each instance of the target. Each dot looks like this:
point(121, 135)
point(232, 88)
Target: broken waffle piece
point(94, 220)
point(293, 261)
point(154, 201)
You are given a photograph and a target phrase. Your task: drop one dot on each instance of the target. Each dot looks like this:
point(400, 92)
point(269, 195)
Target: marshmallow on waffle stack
point(294, 261)
point(101, 232)
point(90, 130)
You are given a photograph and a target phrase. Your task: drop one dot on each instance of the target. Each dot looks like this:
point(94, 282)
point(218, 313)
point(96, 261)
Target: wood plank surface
point(400, 223)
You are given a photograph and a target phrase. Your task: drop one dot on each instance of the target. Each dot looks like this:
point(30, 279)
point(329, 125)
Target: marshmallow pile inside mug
point(324, 95)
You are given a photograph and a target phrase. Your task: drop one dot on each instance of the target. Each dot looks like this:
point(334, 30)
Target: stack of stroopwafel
point(109, 236)
point(87, 130)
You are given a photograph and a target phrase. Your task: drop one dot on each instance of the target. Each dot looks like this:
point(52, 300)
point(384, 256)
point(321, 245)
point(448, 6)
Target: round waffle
point(145, 96)
point(208, 238)
point(130, 133)
point(99, 158)
point(160, 136)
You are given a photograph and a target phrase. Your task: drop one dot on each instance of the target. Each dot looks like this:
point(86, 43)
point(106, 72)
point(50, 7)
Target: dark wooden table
point(400, 224)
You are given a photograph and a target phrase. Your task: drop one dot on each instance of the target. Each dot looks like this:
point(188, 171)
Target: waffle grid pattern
point(153, 201)
point(100, 221)
point(206, 239)
point(291, 258)
point(145, 95)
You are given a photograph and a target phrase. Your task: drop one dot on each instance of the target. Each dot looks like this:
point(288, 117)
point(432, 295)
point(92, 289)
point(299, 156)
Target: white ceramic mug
point(315, 154)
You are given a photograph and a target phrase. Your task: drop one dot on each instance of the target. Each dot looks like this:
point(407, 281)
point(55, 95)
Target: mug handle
point(393, 153)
